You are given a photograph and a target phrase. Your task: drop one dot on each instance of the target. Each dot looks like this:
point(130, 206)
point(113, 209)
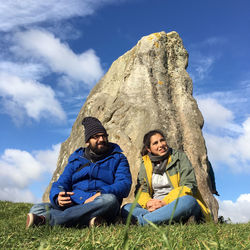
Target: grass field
point(205, 236)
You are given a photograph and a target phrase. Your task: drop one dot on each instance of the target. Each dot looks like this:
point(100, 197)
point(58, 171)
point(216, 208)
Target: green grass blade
point(125, 238)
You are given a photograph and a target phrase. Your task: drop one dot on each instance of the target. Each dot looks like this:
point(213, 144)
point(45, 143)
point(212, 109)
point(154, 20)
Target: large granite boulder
point(147, 88)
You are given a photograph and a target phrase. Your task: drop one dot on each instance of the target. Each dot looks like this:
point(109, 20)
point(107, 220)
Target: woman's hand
point(154, 204)
point(64, 199)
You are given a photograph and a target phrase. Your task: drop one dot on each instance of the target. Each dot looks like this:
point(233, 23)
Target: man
point(92, 186)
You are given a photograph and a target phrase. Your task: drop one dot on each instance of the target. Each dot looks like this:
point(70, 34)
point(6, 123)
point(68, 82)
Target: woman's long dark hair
point(146, 140)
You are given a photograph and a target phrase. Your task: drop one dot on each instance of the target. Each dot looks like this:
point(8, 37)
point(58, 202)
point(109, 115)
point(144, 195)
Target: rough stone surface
point(147, 88)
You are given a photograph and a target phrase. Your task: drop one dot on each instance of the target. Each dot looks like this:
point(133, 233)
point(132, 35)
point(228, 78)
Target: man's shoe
point(34, 220)
point(96, 221)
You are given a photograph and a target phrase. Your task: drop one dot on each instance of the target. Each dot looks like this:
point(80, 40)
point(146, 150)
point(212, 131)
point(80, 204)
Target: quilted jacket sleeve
point(122, 180)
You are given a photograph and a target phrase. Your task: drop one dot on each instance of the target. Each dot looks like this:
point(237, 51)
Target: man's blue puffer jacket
point(110, 175)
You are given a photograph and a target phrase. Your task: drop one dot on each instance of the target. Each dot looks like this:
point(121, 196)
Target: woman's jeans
point(186, 207)
point(105, 205)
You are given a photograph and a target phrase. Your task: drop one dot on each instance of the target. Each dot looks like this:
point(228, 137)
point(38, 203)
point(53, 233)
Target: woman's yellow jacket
point(180, 174)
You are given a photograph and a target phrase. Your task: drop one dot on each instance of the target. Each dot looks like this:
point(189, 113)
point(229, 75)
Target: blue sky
point(53, 53)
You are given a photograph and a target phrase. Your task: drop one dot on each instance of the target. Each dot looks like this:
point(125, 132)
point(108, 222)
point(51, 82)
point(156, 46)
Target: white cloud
point(228, 151)
point(48, 158)
point(29, 98)
point(238, 212)
point(218, 118)
point(216, 115)
point(17, 195)
point(227, 141)
point(43, 45)
point(15, 13)
point(220, 148)
point(23, 70)
point(242, 143)
point(229, 98)
point(18, 169)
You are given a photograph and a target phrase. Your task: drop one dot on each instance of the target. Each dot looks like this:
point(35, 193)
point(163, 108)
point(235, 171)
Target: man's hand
point(154, 204)
point(64, 199)
point(92, 197)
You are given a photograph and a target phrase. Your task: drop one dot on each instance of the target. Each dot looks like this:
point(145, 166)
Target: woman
point(168, 185)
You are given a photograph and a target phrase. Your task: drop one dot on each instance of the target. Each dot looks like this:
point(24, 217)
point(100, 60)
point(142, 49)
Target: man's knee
point(40, 208)
point(108, 200)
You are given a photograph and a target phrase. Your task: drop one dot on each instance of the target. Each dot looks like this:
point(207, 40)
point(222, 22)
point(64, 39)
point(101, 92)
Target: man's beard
point(102, 150)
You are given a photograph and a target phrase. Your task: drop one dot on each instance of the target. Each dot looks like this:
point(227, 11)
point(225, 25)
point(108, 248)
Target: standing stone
point(147, 88)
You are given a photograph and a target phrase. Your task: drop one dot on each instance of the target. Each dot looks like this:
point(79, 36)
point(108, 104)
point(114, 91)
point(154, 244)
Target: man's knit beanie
point(92, 127)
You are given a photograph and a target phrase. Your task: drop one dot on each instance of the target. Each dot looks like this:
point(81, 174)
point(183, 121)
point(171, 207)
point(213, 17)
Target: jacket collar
point(79, 153)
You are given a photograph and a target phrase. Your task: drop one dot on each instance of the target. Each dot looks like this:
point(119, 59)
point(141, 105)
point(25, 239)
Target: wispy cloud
point(43, 45)
point(239, 211)
point(245, 84)
point(210, 41)
point(203, 56)
point(17, 13)
point(18, 169)
point(200, 66)
point(27, 98)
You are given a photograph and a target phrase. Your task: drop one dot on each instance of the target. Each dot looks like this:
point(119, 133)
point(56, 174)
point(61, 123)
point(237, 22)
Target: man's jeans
point(105, 205)
point(186, 207)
